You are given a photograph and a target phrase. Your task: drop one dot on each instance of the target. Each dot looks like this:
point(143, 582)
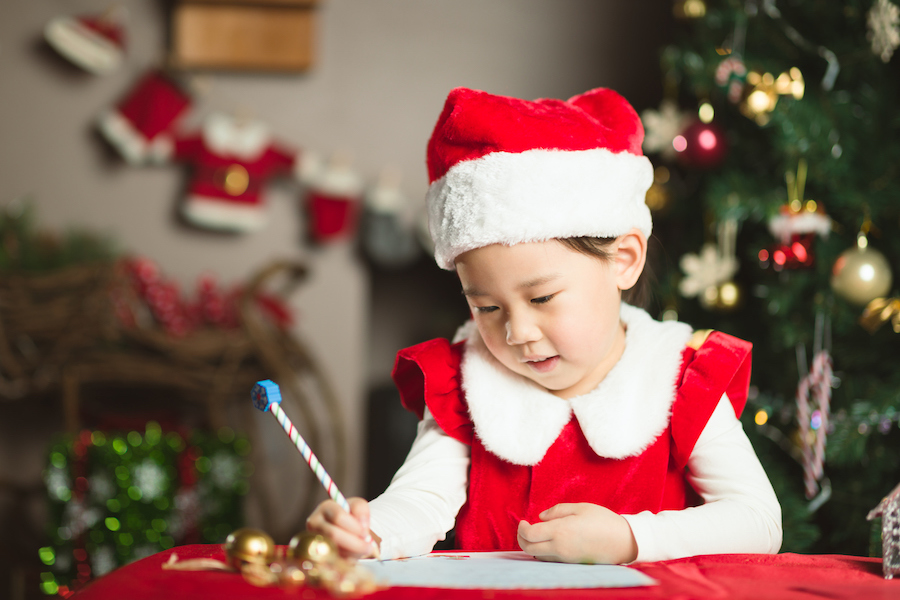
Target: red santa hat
point(504, 170)
point(96, 44)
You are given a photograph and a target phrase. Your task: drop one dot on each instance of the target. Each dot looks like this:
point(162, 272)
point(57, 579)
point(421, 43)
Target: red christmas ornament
point(701, 145)
point(797, 253)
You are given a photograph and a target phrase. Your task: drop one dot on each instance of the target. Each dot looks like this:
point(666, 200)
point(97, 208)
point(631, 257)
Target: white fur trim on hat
point(537, 195)
point(83, 46)
point(518, 421)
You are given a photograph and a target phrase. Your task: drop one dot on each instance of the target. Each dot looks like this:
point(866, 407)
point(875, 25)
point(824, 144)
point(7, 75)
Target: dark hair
point(639, 294)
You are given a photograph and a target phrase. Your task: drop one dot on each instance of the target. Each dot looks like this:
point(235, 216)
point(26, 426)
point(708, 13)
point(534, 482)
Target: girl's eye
point(542, 299)
point(486, 309)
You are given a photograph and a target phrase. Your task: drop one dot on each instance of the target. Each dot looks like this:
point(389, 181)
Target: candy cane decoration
point(266, 397)
point(818, 381)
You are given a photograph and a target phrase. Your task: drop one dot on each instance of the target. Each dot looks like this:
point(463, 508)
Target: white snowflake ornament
point(661, 127)
point(150, 478)
point(709, 268)
point(884, 28)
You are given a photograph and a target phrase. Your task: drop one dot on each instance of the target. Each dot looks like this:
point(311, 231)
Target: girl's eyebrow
point(540, 280)
point(475, 292)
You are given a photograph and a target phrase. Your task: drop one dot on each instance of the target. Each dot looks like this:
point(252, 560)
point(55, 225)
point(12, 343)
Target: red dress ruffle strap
point(428, 374)
point(720, 366)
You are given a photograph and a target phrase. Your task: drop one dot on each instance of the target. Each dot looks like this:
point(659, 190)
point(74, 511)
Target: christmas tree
point(777, 205)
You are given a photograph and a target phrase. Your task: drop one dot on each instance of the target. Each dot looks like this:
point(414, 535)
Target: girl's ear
point(631, 254)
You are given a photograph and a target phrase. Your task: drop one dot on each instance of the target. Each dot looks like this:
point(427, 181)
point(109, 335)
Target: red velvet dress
point(501, 493)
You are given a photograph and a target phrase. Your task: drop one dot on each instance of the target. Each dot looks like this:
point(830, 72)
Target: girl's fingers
point(359, 509)
point(534, 533)
point(542, 550)
point(347, 543)
point(336, 515)
point(558, 511)
point(346, 530)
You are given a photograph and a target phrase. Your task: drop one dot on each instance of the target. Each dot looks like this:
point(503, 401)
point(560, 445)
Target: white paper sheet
point(499, 571)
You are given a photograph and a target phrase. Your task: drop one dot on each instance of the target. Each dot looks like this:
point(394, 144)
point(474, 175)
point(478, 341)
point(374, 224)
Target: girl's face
point(546, 312)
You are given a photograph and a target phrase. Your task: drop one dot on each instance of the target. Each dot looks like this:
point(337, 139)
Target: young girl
point(563, 421)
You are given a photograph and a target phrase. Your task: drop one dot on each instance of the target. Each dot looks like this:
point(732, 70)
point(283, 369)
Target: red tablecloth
point(739, 576)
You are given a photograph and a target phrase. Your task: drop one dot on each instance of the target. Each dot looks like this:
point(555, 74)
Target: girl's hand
point(579, 533)
point(349, 531)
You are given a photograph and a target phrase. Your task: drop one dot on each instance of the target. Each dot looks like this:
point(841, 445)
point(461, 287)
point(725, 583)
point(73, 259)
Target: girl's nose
point(521, 329)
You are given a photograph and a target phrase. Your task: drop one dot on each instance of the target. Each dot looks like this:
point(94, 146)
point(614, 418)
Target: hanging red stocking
point(333, 202)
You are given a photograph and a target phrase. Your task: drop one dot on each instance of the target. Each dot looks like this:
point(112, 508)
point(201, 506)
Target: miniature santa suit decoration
point(94, 43)
point(231, 159)
point(142, 126)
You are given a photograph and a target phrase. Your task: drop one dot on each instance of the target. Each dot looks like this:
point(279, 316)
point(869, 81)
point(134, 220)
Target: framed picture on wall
point(243, 35)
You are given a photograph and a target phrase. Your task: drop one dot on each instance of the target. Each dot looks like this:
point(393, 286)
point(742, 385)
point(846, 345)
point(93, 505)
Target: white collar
point(243, 138)
point(518, 421)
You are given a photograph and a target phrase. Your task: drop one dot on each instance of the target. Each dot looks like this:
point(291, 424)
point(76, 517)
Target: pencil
point(266, 396)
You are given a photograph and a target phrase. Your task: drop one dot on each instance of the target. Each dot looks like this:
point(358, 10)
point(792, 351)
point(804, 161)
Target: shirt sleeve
point(740, 514)
point(420, 505)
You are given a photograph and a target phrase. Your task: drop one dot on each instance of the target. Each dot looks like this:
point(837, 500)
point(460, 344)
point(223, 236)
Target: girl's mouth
point(544, 365)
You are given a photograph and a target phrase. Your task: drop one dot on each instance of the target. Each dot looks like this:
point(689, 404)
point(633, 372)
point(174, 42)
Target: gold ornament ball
point(249, 545)
point(729, 296)
point(657, 197)
point(723, 297)
point(312, 547)
point(860, 275)
point(689, 9)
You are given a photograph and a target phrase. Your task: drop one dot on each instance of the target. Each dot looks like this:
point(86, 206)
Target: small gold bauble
point(292, 576)
point(249, 545)
point(657, 197)
point(312, 547)
point(723, 297)
point(861, 274)
point(689, 9)
point(729, 296)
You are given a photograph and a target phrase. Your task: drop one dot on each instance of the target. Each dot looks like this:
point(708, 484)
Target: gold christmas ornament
point(689, 9)
point(763, 89)
point(658, 195)
point(861, 274)
point(878, 312)
point(312, 547)
point(724, 297)
point(248, 545)
point(729, 296)
point(258, 574)
point(291, 576)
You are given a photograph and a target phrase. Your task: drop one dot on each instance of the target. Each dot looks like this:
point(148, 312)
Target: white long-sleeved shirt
point(740, 513)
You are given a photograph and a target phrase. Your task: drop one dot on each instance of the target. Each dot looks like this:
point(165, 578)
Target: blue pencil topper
point(265, 393)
